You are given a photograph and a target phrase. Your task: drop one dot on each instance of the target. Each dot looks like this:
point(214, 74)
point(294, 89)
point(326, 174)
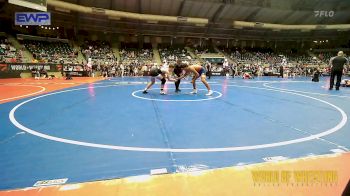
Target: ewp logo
point(33, 18)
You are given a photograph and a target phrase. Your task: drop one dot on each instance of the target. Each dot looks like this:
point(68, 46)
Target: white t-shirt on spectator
point(225, 64)
point(144, 68)
point(89, 64)
point(12, 49)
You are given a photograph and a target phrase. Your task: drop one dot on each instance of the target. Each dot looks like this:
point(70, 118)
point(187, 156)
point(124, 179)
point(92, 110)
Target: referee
point(177, 72)
point(337, 65)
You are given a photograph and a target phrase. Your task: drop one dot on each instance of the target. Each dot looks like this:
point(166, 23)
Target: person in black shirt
point(233, 70)
point(316, 75)
point(44, 73)
point(281, 71)
point(178, 71)
point(337, 65)
point(208, 66)
point(34, 70)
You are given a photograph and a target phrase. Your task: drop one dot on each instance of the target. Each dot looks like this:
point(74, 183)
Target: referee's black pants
point(177, 83)
point(338, 74)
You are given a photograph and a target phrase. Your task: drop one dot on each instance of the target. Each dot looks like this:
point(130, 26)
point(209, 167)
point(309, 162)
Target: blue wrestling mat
point(109, 129)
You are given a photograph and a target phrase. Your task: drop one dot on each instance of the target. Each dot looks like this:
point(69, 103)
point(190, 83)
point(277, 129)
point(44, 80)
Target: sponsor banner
point(213, 73)
point(33, 18)
point(76, 73)
point(14, 70)
point(73, 68)
point(26, 67)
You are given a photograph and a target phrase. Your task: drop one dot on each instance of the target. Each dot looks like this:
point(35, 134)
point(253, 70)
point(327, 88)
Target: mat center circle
point(183, 96)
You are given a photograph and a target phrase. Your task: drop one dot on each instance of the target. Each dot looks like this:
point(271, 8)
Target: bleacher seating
point(267, 56)
point(97, 50)
point(204, 50)
point(325, 56)
point(171, 54)
point(49, 51)
point(135, 55)
point(9, 53)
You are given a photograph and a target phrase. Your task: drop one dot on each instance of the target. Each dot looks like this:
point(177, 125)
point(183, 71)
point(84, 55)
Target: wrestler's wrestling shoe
point(162, 92)
point(194, 91)
point(209, 93)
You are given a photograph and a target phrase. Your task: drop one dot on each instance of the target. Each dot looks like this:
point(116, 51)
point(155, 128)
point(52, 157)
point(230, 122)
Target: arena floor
point(84, 130)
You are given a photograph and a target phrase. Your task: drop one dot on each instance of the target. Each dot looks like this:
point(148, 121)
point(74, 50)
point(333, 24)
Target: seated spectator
point(171, 54)
point(50, 51)
point(97, 50)
point(43, 73)
point(8, 53)
point(316, 75)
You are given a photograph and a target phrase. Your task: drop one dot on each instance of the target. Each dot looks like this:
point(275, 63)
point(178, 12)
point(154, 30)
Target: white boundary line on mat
point(177, 100)
point(178, 150)
point(26, 95)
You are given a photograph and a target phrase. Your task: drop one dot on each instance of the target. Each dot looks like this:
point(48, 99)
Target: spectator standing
point(281, 71)
point(208, 69)
point(122, 68)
